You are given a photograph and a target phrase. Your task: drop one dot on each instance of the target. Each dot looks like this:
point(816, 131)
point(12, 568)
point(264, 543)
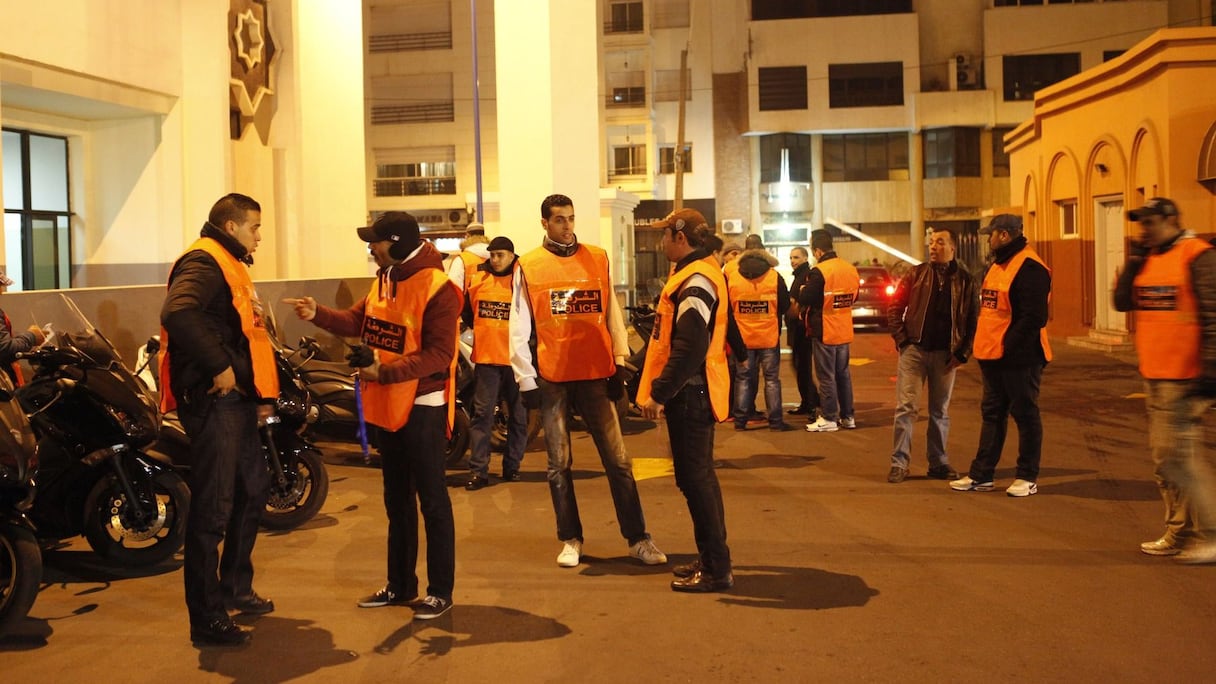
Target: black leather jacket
point(906, 312)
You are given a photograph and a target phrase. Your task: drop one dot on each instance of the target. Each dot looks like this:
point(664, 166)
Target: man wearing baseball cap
point(406, 372)
point(1170, 282)
point(1012, 349)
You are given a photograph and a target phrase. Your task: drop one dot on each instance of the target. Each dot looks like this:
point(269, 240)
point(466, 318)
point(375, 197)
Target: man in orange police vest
point(685, 377)
point(219, 373)
point(1170, 282)
point(487, 311)
point(758, 300)
point(564, 300)
point(407, 324)
point(1011, 347)
point(827, 298)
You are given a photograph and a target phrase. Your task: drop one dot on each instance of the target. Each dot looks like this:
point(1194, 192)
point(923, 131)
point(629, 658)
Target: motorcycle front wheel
point(303, 495)
point(458, 443)
point(115, 530)
point(20, 574)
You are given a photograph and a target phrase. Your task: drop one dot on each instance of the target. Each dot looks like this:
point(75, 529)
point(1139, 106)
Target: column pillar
point(916, 186)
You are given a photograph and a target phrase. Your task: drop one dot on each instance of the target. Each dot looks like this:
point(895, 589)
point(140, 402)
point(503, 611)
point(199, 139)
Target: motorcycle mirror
point(307, 342)
point(152, 347)
point(5, 395)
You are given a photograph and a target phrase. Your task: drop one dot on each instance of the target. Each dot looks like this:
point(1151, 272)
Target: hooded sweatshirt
point(430, 364)
point(756, 263)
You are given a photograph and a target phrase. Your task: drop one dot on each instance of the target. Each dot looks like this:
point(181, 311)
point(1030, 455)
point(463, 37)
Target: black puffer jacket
point(204, 328)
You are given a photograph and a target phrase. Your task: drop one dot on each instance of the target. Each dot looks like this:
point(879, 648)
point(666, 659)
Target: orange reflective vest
point(730, 267)
point(569, 299)
point(249, 308)
point(717, 374)
point(471, 262)
point(754, 303)
point(490, 300)
point(995, 311)
point(393, 327)
point(1167, 313)
point(840, 286)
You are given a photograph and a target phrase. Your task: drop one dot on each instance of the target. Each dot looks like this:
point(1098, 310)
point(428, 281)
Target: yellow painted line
point(1136, 395)
point(650, 468)
point(860, 361)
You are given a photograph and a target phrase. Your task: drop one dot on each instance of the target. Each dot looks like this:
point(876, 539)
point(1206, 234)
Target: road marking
point(651, 468)
point(860, 361)
point(1136, 395)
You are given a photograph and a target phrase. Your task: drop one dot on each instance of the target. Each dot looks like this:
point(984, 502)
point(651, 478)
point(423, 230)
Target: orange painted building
point(1140, 125)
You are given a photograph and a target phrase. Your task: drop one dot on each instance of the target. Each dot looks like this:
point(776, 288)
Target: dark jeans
point(835, 380)
point(590, 398)
point(494, 382)
point(802, 358)
point(229, 485)
point(413, 464)
point(690, 426)
point(1009, 391)
point(747, 385)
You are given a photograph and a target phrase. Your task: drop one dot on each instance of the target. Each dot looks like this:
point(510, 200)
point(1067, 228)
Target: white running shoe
point(572, 551)
point(848, 423)
point(648, 553)
point(822, 425)
point(966, 484)
point(1022, 488)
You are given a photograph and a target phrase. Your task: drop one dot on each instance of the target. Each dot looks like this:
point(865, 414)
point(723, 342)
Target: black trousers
point(413, 473)
point(690, 425)
point(1009, 391)
point(802, 356)
point(229, 485)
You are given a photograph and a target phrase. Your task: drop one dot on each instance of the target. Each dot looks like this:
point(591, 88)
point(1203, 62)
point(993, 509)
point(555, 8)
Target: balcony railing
point(403, 187)
point(401, 42)
point(415, 113)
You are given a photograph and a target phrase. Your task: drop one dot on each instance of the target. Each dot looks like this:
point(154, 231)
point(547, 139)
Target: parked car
point(877, 288)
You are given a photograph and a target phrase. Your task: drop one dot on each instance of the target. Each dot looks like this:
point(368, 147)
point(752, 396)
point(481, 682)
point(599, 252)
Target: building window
point(799, 146)
point(809, 9)
point(875, 84)
point(625, 88)
point(865, 157)
point(627, 96)
point(1024, 74)
point(628, 160)
point(667, 159)
point(667, 85)
point(37, 210)
point(416, 98)
point(782, 88)
point(1000, 158)
point(624, 17)
point(669, 13)
point(951, 152)
point(404, 172)
point(1068, 219)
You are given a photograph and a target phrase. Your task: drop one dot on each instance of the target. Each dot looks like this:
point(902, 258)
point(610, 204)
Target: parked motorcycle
point(92, 419)
point(299, 481)
point(20, 557)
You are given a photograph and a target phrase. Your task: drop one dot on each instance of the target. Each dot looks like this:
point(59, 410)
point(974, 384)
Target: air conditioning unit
point(963, 72)
point(732, 226)
point(458, 218)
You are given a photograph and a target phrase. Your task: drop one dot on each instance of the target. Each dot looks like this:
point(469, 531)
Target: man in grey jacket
point(932, 319)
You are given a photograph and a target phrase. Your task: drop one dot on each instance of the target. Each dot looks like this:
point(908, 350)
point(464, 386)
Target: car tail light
point(861, 281)
point(890, 290)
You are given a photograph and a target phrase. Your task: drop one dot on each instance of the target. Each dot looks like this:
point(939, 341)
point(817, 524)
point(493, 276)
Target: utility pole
point(678, 202)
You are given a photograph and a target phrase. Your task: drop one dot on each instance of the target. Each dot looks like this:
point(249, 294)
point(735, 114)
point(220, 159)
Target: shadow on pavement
point(624, 566)
point(474, 626)
point(1105, 490)
point(769, 461)
point(282, 649)
point(788, 588)
point(65, 567)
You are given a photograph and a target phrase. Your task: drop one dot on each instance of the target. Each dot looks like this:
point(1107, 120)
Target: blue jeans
point(590, 398)
point(835, 381)
point(746, 375)
point(494, 382)
point(1182, 469)
point(916, 367)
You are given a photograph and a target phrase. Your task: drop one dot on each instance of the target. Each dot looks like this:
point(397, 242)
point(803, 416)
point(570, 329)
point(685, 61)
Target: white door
point(1108, 260)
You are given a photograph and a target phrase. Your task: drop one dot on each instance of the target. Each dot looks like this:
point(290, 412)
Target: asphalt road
point(840, 576)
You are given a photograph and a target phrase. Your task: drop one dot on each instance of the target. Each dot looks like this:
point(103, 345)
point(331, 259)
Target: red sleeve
point(434, 357)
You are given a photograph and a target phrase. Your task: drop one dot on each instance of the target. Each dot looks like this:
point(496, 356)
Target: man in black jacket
point(211, 319)
point(932, 319)
point(799, 341)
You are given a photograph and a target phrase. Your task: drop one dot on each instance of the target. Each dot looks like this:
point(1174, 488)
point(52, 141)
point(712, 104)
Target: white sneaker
point(648, 553)
point(572, 550)
point(822, 425)
point(848, 423)
point(1022, 488)
point(966, 484)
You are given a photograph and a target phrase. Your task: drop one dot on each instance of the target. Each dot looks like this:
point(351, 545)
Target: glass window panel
point(12, 250)
point(14, 183)
point(42, 247)
point(48, 173)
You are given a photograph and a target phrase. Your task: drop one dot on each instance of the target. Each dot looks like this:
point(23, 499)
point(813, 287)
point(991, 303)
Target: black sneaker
point(221, 631)
point(477, 481)
point(432, 607)
point(510, 475)
point(387, 597)
point(250, 605)
point(942, 473)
